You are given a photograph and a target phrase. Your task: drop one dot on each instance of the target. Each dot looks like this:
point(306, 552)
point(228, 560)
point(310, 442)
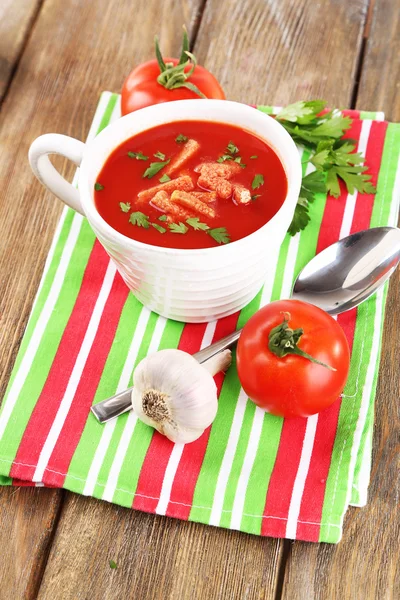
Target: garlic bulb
point(177, 395)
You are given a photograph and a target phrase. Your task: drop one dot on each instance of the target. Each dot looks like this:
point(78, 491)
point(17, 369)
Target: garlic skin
point(177, 395)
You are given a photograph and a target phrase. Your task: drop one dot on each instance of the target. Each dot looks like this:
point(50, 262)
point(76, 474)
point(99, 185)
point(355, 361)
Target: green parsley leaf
point(238, 160)
point(301, 218)
point(311, 184)
point(154, 168)
point(125, 206)
point(220, 235)
point(159, 155)
point(253, 157)
point(178, 228)
point(113, 564)
point(232, 148)
point(224, 157)
point(258, 181)
point(137, 155)
point(159, 228)
point(164, 178)
point(255, 196)
point(162, 218)
point(181, 139)
point(196, 224)
point(301, 112)
point(98, 187)
point(139, 219)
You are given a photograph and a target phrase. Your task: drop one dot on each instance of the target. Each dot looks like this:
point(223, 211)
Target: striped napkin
point(250, 471)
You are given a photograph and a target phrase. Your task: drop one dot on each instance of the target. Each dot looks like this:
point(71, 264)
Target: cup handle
point(54, 143)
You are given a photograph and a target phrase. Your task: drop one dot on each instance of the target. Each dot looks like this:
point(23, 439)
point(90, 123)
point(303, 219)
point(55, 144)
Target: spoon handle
point(121, 403)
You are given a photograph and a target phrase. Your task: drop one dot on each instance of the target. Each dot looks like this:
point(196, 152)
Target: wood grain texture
point(275, 52)
point(157, 558)
point(380, 79)
point(365, 565)
point(16, 18)
point(28, 517)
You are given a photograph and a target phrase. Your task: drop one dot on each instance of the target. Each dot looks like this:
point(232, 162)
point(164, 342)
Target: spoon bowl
point(350, 271)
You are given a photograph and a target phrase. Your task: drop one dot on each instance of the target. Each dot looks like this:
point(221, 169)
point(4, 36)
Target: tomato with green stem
point(293, 359)
point(164, 80)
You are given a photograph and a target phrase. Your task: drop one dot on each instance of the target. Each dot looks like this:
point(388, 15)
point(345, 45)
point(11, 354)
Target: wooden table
point(55, 58)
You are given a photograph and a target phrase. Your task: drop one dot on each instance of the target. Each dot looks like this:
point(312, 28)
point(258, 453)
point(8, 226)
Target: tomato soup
point(190, 184)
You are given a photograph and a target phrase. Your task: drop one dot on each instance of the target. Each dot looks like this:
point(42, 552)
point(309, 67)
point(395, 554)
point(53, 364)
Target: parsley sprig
point(332, 157)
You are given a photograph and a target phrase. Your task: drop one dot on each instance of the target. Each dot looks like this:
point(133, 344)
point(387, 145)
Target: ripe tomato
point(292, 385)
point(160, 80)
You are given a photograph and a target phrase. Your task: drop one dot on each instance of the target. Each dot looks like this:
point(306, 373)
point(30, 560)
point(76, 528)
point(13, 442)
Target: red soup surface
point(190, 184)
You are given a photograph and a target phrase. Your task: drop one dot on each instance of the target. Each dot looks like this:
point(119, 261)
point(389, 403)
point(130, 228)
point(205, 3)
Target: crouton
point(190, 201)
point(162, 202)
point(184, 183)
point(241, 195)
point(226, 170)
point(217, 184)
point(179, 160)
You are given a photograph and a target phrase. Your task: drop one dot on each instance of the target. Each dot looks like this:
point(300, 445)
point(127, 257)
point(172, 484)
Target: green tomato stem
point(284, 341)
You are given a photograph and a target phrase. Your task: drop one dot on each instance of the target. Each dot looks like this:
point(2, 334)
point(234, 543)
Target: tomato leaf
point(139, 219)
point(154, 168)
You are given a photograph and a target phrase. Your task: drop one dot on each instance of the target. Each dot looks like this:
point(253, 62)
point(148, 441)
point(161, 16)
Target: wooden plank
point(365, 563)
point(157, 558)
point(379, 85)
point(77, 49)
point(281, 51)
point(16, 18)
point(28, 516)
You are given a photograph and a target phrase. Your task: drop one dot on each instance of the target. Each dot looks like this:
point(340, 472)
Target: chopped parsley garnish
point(220, 235)
point(238, 160)
point(253, 157)
point(162, 218)
point(255, 196)
point(159, 155)
point(232, 148)
point(158, 227)
point(224, 157)
point(154, 168)
point(139, 219)
point(164, 178)
point(137, 155)
point(125, 206)
point(113, 564)
point(196, 224)
point(178, 228)
point(98, 187)
point(181, 139)
point(258, 181)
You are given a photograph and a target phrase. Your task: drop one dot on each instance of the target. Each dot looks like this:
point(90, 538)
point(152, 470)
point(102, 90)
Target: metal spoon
point(338, 279)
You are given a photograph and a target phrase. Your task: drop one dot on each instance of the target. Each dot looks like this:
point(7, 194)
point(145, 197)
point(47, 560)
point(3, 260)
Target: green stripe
point(49, 345)
point(91, 435)
point(337, 482)
point(108, 112)
point(368, 115)
point(130, 471)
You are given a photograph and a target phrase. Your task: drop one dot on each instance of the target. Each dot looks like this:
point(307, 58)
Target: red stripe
point(314, 490)
point(156, 460)
point(289, 452)
point(79, 412)
point(193, 454)
point(53, 391)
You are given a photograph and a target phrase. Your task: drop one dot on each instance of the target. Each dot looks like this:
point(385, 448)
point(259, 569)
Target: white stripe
point(176, 454)
point(123, 383)
point(75, 376)
point(251, 452)
point(129, 427)
point(299, 482)
point(41, 324)
point(227, 462)
point(379, 116)
point(352, 198)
